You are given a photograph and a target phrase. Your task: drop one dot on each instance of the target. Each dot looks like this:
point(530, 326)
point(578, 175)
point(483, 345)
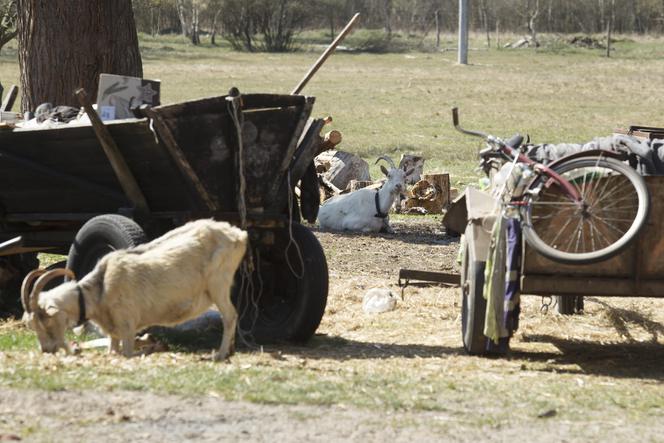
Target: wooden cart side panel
point(75, 152)
point(636, 271)
point(206, 134)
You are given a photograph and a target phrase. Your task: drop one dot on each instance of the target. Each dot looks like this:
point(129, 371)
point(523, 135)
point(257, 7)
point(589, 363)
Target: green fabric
point(494, 283)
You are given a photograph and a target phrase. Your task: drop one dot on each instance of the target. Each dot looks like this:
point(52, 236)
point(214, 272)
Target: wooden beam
point(429, 277)
point(118, 163)
point(10, 99)
point(316, 66)
point(179, 158)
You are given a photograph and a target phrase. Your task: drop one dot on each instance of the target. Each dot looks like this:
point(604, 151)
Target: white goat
point(172, 279)
point(365, 210)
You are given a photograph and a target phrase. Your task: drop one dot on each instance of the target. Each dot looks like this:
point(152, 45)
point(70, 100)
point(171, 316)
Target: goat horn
point(47, 277)
point(25, 287)
point(387, 159)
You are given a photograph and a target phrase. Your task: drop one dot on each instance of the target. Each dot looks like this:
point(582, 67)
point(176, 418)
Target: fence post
point(463, 32)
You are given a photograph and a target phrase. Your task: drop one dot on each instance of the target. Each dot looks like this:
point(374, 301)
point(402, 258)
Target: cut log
point(431, 193)
point(359, 184)
point(344, 167)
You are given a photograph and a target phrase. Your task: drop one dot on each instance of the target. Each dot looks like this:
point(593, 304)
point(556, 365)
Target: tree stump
point(431, 193)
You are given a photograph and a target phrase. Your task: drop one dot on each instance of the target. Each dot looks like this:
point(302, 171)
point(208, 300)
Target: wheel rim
point(605, 219)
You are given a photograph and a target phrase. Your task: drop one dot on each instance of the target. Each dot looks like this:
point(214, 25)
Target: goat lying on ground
point(365, 209)
point(165, 282)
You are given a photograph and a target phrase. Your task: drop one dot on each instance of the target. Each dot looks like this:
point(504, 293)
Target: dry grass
point(600, 373)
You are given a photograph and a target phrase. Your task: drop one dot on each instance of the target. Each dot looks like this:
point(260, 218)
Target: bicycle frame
point(513, 153)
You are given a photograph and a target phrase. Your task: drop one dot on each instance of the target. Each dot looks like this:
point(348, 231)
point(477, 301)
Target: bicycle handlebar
point(455, 120)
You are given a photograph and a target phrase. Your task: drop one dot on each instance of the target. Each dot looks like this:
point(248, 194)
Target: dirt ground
point(616, 342)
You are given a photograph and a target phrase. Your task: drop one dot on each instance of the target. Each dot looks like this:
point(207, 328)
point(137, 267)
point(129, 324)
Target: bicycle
point(581, 209)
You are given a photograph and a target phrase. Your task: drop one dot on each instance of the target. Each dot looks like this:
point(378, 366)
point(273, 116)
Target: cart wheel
point(569, 305)
point(99, 236)
point(473, 304)
point(290, 293)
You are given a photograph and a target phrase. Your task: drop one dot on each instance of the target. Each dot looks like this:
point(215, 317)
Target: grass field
point(591, 377)
point(400, 103)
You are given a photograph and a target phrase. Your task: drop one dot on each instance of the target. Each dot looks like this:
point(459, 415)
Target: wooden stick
point(10, 98)
point(325, 55)
point(120, 167)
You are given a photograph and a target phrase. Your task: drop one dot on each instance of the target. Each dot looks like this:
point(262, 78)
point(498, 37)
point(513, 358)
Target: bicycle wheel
point(613, 209)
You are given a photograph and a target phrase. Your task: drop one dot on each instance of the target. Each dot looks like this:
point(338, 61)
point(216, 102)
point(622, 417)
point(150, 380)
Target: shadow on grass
point(415, 234)
point(318, 347)
point(643, 360)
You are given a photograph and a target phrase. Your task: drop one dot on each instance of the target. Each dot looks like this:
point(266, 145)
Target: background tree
point(7, 21)
point(66, 44)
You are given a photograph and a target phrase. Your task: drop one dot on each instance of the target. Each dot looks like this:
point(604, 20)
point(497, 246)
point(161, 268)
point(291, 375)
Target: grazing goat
point(172, 279)
point(365, 209)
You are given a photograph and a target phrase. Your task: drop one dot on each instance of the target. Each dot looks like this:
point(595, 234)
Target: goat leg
point(113, 346)
point(128, 345)
point(229, 319)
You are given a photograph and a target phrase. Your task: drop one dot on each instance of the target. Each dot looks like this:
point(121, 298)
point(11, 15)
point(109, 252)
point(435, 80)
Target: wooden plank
point(217, 104)
point(290, 150)
point(10, 99)
point(120, 167)
point(429, 276)
point(307, 150)
point(534, 284)
point(179, 158)
point(76, 181)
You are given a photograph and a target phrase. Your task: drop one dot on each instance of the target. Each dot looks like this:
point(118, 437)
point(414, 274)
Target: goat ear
point(382, 168)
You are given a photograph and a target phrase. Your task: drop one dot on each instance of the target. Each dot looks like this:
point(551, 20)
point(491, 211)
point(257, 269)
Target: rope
point(291, 241)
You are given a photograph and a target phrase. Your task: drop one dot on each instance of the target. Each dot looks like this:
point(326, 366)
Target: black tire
point(473, 304)
point(288, 308)
point(99, 236)
point(569, 304)
point(564, 232)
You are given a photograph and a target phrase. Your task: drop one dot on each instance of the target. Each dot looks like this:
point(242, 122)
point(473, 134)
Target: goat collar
point(379, 214)
point(82, 317)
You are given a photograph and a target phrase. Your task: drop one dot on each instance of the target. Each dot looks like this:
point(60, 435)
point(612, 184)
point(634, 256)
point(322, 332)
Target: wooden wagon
point(86, 190)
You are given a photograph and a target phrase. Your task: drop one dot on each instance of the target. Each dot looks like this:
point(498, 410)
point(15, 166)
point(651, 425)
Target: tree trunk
point(195, 31)
point(66, 44)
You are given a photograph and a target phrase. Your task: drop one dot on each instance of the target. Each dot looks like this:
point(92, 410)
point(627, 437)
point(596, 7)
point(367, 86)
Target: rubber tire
point(99, 236)
point(592, 257)
point(473, 303)
point(289, 309)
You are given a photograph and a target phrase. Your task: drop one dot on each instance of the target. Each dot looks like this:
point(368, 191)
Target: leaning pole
point(463, 32)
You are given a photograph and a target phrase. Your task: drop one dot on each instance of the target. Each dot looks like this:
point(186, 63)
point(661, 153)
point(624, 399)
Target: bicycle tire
point(615, 207)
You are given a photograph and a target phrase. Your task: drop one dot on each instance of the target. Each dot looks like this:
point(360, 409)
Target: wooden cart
point(86, 190)
point(637, 271)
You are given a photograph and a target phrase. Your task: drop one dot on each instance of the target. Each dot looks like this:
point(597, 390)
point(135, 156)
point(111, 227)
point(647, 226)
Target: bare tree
point(532, 11)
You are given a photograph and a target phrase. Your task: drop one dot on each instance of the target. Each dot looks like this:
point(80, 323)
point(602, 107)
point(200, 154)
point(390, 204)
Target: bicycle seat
point(515, 141)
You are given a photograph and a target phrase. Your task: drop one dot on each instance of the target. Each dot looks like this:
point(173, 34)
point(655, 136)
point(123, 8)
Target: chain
point(547, 302)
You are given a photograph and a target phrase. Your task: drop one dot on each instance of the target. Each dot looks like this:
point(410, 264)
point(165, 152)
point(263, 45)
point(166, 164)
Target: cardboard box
point(118, 94)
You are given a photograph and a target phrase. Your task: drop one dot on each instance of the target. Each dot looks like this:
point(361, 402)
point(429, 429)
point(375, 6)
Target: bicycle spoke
point(611, 226)
point(600, 236)
point(580, 235)
point(553, 242)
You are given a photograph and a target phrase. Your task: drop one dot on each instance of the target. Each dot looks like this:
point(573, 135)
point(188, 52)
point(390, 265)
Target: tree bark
point(65, 44)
